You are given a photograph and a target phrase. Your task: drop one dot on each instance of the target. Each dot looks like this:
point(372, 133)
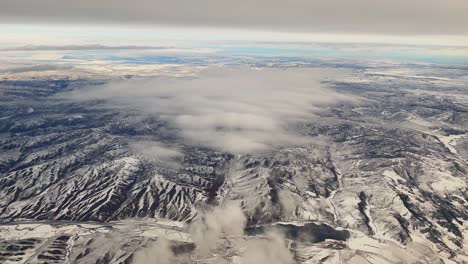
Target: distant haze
point(340, 16)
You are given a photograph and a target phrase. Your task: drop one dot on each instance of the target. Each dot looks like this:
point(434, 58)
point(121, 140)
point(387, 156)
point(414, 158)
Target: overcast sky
point(399, 17)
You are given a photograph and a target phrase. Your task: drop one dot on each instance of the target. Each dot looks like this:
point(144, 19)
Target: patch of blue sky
point(124, 57)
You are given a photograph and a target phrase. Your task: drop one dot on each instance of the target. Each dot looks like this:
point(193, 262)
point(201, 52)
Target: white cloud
point(216, 225)
point(218, 235)
point(269, 250)
point(232, 109)
point(157, 151)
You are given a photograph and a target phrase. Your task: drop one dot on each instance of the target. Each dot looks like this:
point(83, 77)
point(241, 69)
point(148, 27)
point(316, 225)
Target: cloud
point(153, 150)
point(238, 110)
point(218, 235)
point(268, 250)
point(214, 227)
point(217, 225)
point(392, 17)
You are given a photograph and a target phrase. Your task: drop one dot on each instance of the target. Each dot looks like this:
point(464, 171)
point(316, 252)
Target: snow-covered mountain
point(382, 179)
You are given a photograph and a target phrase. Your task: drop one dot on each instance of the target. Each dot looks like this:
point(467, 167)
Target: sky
point(396, 17)
point(220, 23)
point(14, 34)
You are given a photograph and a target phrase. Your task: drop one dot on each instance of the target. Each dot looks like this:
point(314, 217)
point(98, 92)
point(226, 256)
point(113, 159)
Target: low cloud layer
point(232, 109)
